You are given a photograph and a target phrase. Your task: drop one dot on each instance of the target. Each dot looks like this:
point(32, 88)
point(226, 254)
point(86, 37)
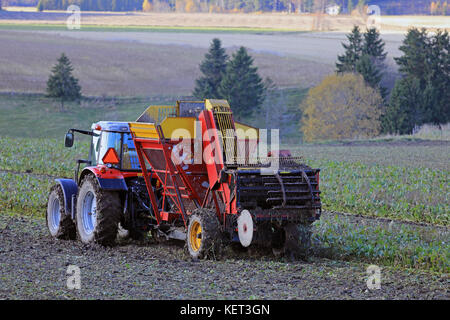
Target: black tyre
point(59, 223)
point(98, 213)
point(204, 238)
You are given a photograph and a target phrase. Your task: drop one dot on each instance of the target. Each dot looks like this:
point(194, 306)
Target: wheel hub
point(195, 238)
point(89, 212)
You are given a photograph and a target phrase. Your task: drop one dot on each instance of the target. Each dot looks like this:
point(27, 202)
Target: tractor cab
point(113, 145)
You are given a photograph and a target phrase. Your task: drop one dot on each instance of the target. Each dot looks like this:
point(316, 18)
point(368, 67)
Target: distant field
point(119, 64)
point(140, 54)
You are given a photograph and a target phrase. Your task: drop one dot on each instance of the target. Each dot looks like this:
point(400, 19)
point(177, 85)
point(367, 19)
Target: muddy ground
point(34, 266)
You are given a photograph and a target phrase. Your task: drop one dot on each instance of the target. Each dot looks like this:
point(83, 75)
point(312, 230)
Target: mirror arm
point(90, 133)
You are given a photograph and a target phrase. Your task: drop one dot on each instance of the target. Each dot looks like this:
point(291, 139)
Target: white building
point(333, 10)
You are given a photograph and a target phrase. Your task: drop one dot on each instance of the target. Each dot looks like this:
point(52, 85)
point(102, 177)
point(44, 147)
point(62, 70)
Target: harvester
point(187, 172)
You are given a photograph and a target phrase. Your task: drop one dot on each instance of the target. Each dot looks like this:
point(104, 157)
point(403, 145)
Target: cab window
point(95, 146)
point(130, 159)
point(109, 140)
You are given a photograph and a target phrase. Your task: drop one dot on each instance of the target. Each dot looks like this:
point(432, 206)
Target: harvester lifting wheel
point(245, 228)
point(59, 223)
point(203, 235)
point(98, 213)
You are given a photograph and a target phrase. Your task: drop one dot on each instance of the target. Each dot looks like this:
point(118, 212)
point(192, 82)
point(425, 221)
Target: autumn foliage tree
point(341, 107)
point(438, 8)
point(146, 6)
point(190, 6)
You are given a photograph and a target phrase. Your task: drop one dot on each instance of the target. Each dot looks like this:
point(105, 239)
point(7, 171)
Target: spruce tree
point(212, 68)
point(369, 71)
point(373, 50)
point(427, 59)
point(365, 55)
point(61, 83)
point(347, 61)
point(416, 51)
point(405, 108)
point(241, 85)
point(374, 45)
point(423, 92)
point(437, 90)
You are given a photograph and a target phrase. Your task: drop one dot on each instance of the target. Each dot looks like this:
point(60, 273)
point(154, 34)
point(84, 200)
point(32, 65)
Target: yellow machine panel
point(244, 131)
point(156, 114)
point(171, 127)
point(144, 130)
point(217, 104)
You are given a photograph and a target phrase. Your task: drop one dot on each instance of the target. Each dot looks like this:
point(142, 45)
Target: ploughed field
point(34, 266)
point(385, 204)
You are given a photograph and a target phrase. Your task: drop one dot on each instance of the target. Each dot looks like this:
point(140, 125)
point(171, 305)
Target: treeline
point(91, 5)
point(436, 7)
point(399, 7)
point(186, 5)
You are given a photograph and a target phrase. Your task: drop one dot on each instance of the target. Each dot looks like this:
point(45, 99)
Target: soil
point(34, 266)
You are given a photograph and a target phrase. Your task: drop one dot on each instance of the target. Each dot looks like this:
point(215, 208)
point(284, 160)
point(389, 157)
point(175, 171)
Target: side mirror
point(69, 140)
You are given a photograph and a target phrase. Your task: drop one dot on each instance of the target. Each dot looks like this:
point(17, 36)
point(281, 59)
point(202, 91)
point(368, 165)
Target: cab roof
point(117, 126)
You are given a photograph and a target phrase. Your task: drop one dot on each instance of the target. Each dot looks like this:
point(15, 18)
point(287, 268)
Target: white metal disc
point(245, 228)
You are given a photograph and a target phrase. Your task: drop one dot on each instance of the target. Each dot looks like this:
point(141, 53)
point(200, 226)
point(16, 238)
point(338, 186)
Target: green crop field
point(405, 182)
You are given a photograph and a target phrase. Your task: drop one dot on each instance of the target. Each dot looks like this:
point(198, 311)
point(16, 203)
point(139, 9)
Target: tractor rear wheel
point(203, 235)
point(59, 223)
point(98, 213)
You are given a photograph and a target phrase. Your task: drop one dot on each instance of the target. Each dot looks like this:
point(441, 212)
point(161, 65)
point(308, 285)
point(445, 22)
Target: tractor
point(188, 172)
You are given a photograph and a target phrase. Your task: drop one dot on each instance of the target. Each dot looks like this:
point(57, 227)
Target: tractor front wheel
point(98, 213)
point(59, 223)
point(203, 235)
